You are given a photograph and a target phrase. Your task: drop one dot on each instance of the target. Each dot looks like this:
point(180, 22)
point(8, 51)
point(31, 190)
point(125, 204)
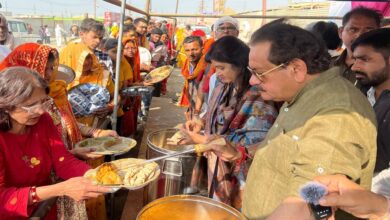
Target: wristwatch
point(320, 212)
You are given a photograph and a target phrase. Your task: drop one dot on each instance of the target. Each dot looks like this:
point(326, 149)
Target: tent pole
point(118, 66)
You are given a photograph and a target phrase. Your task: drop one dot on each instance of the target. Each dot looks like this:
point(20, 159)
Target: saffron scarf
point(74, 55)
point(197, 75)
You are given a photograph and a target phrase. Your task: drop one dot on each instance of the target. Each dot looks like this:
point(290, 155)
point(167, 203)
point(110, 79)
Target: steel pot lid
point(188, 207)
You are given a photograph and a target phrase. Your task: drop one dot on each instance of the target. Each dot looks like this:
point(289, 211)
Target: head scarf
point(36, 56)
point(32, 55)
point(226, 19)
point(135, 61)
point(74, 55)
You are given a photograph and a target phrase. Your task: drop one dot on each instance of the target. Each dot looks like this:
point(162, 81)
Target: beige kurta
point(328, 128)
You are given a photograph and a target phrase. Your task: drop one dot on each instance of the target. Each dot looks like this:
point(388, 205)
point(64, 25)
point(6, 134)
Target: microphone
point(312, 192)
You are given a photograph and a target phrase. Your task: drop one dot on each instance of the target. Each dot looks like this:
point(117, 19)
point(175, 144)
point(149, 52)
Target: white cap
point(226, 19)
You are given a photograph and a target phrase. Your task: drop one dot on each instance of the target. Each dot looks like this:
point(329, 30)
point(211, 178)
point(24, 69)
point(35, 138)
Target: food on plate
point(111, 141)
point(159, 74)
point(100, 142)
point(126, 173)
point(108, 174)
point(138, 175)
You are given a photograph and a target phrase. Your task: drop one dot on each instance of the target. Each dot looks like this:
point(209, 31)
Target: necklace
point(30, 161)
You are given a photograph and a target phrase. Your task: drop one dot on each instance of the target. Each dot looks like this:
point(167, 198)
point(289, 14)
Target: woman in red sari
point(44, 60)
point(30, 149)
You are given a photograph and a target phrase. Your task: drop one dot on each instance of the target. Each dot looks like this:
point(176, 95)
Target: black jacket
point(382, 111)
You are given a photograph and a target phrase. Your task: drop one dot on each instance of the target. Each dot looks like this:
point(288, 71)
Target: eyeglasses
point(260, 76)
point(34, 108)
point(223, 29)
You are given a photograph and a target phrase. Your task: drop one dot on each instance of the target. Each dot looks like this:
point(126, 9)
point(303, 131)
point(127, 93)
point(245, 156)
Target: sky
point(79, 7)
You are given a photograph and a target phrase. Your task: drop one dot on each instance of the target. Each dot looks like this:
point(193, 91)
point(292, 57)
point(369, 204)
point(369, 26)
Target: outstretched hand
point(80, 188)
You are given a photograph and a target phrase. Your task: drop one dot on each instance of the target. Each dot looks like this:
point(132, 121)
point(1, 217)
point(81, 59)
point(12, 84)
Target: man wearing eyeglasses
point(224, 26)
point(325, 126)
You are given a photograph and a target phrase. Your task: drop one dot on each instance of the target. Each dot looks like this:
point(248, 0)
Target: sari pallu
point(74, 55)
point(242, 123)
point(195, 78)
point(128, 126)
point(35, 57)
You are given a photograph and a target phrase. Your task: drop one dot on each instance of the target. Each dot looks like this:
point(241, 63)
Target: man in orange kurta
point(193, 71)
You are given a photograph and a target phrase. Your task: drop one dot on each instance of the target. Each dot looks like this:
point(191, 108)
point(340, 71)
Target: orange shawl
point(35, 56)
point(207, 45)
point(196, 75)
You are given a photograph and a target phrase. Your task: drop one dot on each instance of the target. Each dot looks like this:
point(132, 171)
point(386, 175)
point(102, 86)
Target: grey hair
point(16, 86)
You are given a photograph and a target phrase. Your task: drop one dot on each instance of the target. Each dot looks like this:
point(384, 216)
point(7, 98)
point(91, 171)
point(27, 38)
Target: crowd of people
point(291, 105)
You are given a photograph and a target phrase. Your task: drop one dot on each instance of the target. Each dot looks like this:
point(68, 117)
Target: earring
point(8, 122)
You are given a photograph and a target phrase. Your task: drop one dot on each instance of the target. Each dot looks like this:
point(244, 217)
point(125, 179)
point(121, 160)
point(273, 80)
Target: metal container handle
point(172, 162)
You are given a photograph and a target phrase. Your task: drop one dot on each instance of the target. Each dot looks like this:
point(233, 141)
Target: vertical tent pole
point(264, 12)
point(118, 65)
point(116, 93)
point(147, 9)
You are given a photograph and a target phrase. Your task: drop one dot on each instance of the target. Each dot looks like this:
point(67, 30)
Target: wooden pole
point(264, 10)
point(129, 7)
point(147, 9)
point(94, 9)
point(177, 6)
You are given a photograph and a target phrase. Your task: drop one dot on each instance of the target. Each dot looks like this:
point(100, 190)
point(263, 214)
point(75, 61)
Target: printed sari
point(243, 123)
